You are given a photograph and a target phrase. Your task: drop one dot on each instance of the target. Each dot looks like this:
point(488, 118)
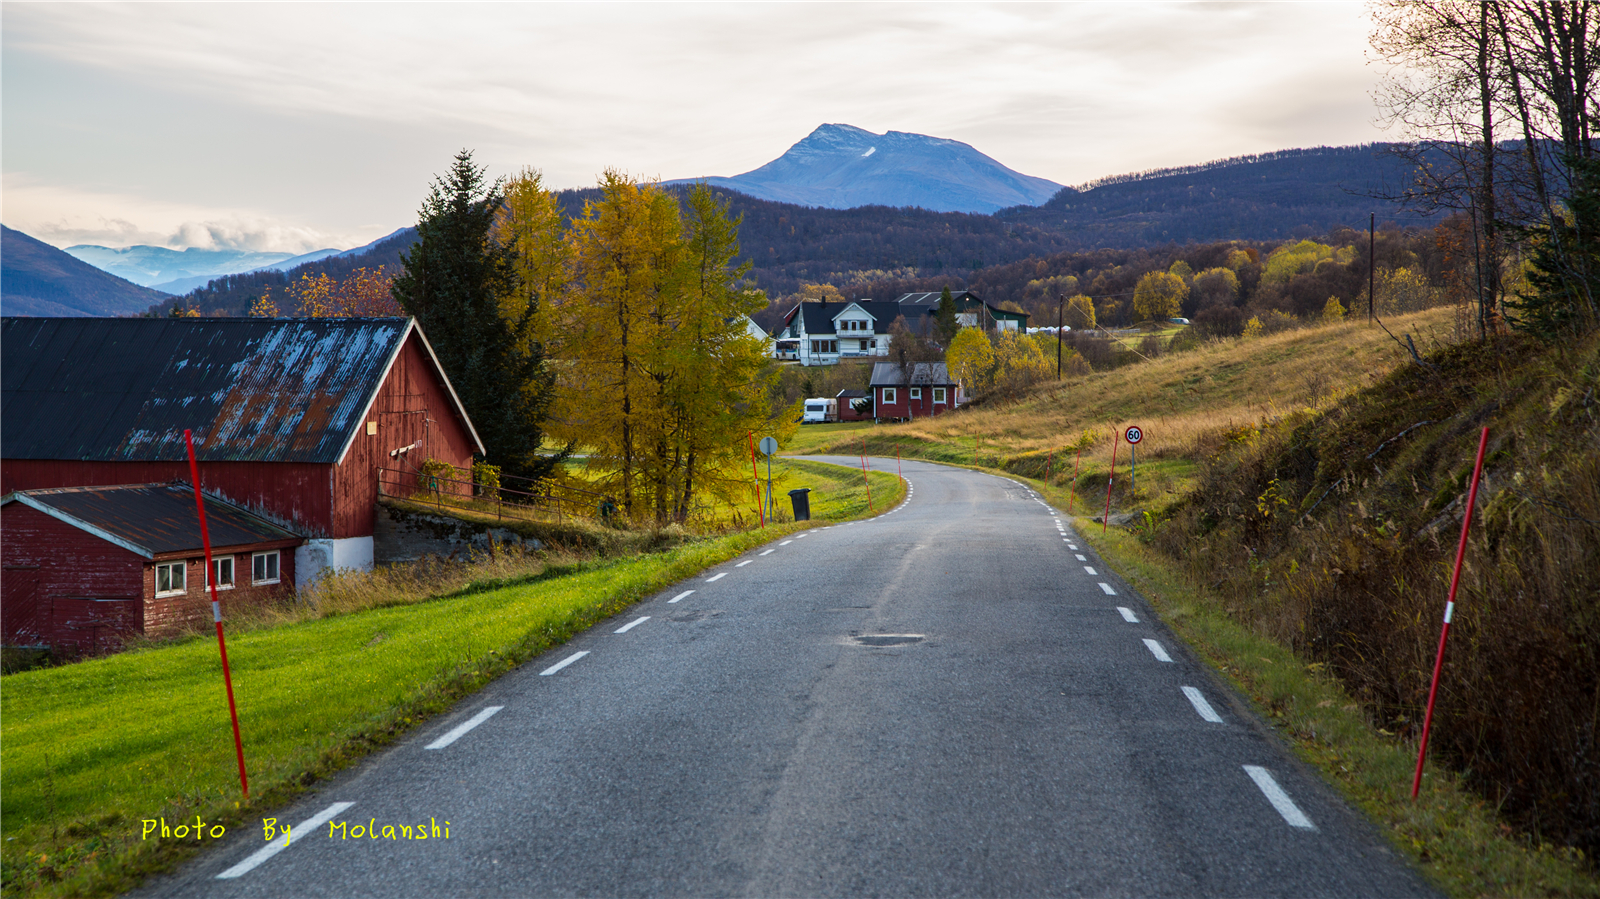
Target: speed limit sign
point(1134, 435)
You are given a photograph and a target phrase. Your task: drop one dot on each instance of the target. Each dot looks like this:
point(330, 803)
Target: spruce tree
point(945, 317)
point(454, 281)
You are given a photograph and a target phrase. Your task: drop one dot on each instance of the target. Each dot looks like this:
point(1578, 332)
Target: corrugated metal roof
point(888, 374)
point(124, 389)
point(152, 518)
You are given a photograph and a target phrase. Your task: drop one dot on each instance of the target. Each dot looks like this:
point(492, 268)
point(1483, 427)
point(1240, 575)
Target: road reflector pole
point(1072, 489)
point(756, 473)
point(864, 479)
point(1105, 522)
point(216, 613)
point(1449, 612)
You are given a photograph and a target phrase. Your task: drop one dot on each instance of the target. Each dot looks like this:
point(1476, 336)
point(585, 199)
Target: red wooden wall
point(412, 406)
point(64, 587)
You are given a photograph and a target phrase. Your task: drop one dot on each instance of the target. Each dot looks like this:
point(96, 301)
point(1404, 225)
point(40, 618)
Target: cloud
point(61, 217)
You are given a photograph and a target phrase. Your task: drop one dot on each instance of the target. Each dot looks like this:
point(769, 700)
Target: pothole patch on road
point(886, 639)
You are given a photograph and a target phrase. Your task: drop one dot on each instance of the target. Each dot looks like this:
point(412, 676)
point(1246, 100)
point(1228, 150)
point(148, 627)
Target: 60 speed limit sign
point(1134, 435)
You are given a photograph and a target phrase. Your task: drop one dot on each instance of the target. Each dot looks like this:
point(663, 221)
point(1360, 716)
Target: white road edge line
point(1127, 615)
point(1107, 588)
point(1157, 650)
point(786, 543)
point(717, 577)
point(461, 729)
point(276, 846)
point(1198, 700)
point(1092, 572)
point(680, 596)
point(563, 663)
point(1279, 799)
point(768, 552)
point(632, 624)
point(744, 563)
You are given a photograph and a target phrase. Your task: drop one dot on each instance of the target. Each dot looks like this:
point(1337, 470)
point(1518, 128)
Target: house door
point(82, 625)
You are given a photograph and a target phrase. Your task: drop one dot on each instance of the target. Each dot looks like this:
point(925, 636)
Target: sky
point(298, 126)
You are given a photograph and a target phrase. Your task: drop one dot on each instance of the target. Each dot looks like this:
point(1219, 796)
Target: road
point(956, 698)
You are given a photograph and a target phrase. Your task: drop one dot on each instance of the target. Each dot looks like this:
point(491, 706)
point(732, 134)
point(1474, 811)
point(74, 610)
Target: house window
point(264, 568)
point(170, 578)
point(824, 346)
point(938, 394)
point(222, 572)
point(872, 344)
point(888, 395)
point(916, 393)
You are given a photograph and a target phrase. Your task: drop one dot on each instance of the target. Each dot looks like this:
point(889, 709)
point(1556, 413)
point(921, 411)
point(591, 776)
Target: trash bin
point(802, 503)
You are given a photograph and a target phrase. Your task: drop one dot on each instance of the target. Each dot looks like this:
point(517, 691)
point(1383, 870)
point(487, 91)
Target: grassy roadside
point(94, 748)
point(1450, 833)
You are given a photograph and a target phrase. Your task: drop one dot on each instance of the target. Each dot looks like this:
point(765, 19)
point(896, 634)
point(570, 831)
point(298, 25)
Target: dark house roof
point(850, 394)
point(124, 389)
point(818, 317)
point(889, 374)
point(151, 519)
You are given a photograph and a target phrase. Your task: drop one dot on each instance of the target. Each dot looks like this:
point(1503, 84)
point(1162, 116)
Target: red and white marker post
point(216, 613)
point(1105, 522)
point(1449, 611)
point(761, 507)
point(1072, 490)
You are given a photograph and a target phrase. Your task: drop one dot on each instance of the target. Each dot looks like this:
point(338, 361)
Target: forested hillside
point(1112, 229)
point(38, 279)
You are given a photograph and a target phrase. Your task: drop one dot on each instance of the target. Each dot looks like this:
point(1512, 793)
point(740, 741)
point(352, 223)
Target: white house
point(828, 333)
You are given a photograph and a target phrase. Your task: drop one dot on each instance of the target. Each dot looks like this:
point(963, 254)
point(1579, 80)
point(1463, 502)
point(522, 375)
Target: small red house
point(923, 391)
point(847, 409)
point(292, 418)
point(85, 566)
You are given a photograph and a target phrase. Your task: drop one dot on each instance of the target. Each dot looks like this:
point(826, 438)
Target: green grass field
point(93, 748)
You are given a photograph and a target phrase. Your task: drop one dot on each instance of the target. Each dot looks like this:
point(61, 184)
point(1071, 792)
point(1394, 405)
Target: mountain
point(184, 285)
point(1267, 196)
point(38, 279)
point(234, 294)
point(842, 166)
point(177, 271)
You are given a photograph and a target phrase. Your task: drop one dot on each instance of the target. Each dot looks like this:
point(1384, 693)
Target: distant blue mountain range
point(842, 167)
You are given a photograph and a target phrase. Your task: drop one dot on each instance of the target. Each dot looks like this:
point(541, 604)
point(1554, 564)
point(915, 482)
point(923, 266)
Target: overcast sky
point(296, 126)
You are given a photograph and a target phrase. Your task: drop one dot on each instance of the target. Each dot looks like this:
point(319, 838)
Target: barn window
point(264, 568)
point(170, 578)
point(888, 395)
point(916, 393)
point(938, 394)
point(222, 572)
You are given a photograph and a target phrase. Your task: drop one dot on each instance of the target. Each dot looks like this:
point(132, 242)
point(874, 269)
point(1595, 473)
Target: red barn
point(86, 565)
point(923, 391)
point(292, 418)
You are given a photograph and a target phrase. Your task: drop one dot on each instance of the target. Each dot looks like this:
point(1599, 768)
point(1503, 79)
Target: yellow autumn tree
point(360, 294)
point(1079, 313)
point(1158, 295)
point(970, 360)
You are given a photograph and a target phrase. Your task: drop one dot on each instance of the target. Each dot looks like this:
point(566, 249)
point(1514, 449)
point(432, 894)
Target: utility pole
point(1372, 263)
point(1059, 301)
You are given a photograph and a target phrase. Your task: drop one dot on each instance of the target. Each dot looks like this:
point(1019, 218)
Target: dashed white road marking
point(461, 729)
point(1082, 558)
point(786, 543)
point(632, 624)
point(1127, 615)
point(744, 563)
point(680, 596)
point(1157, 650)
point(1092, 572)
point(768, 552)
point(1107, 588)
point(717, 577)
point(276, 846)
point(1071, 547)
point(563, 663)
point(806, 534)
point(1279, 799)
point(1198, 700)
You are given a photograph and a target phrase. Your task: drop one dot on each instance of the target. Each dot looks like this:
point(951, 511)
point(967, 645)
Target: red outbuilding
point(86, 566)
point(292, 418)
point(921, 390)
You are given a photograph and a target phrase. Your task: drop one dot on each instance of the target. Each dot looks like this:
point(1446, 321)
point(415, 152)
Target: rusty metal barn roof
point(151, 519)
point(124, 389)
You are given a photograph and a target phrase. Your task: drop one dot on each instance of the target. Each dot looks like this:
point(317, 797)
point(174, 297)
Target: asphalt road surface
point(956, 698)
